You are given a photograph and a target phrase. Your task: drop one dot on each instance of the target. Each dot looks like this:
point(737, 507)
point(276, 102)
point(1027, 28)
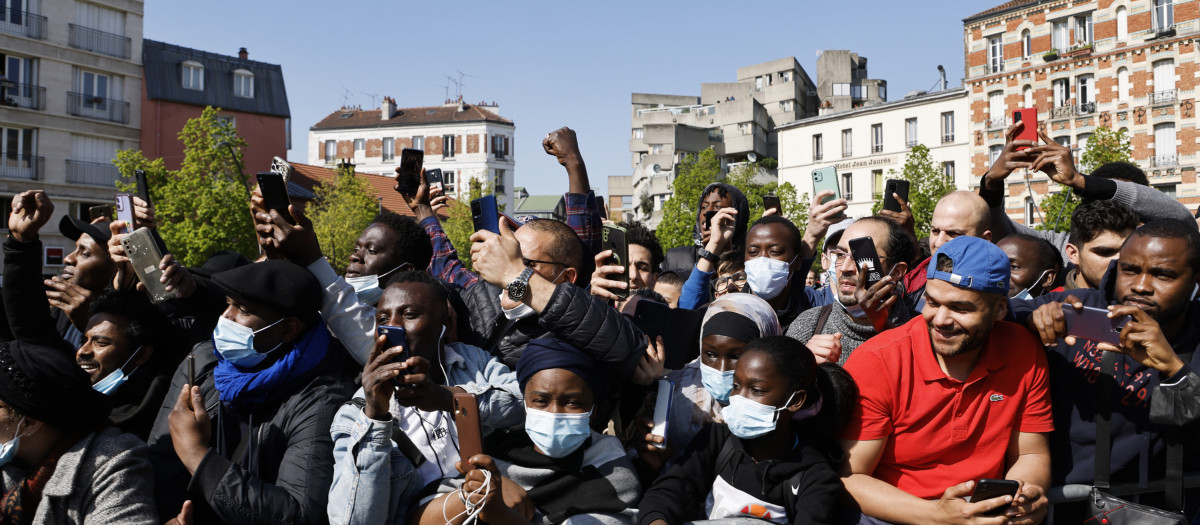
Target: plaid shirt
point(584, 218)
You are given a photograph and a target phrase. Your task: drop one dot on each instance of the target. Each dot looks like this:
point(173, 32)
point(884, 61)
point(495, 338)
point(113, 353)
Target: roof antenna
point(346, 94)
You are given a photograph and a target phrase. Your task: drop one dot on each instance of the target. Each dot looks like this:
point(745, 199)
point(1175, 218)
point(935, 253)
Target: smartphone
point(863, 251)
point(898, 187)
point(143, 188)
point(275, 194)
point(466, 422)
point(144, 256)
point(613, 238)
point(191, 363)
point(708, 217)
point(124, 207)
point(772, 201)
point(601, 207)
point(662, 410)
point(1030, 131)
point(826, 179)
point(408, 175)
point(396, 336)
point(1094, 324)
point(434, 176)
point(679, 328)
point(101, 212)
point(485, 215)
point(986, 489)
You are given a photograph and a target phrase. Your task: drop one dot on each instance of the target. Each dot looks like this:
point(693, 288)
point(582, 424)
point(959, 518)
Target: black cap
point(219, 262)
point(282, 286)
point(46, 384)
point(74, 228)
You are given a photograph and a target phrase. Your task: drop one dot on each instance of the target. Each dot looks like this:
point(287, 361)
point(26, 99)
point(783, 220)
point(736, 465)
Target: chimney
point(942, 73)
point(387, 109)
point(243, 54)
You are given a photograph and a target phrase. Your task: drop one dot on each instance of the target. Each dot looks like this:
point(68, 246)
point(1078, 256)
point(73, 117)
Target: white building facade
point(866, 144)
point(465, 141)
point(69, 100)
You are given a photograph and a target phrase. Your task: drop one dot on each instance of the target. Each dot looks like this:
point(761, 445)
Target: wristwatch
point(520, 286)
point(710, 256)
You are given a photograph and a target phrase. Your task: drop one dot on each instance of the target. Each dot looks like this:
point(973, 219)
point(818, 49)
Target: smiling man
point(954, 396)
point(1152, 280)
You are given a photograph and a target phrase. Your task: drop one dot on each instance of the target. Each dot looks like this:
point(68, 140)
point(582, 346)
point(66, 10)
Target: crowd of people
point(264, 391)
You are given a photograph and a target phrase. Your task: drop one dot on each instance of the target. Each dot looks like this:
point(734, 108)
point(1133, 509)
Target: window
point(818, 148)
point(656, 149)
point(858, 92)
point(876, 138)
point(243, 83)
point(1086, 93)
point(995, 54)
point(449, 181)
point(448, 143)
point(745, 128)
point(1122, 24)
point(193, 75)
point(846, 143)
point(848, 186)
point(786, 105)
point(1164, 15)
point(419, 143)
point(1060, 35)
point(1082, 142)
point(948, 170)
point(1028, 211)
point(389, 149)
point(841, 89)
point(94, 87)
point(785, 76)
point(360, 145)
point(1164, 75)
point(1169, 189)
point(947, 127)
point(1064, 140)
point(1164, 141)
point(1123, 83)
point(758, 83)
point(1062, 92)
point(993, 154)
point(499, 181)
point(330, 151)
point(500, 146)
point(639, 133)
point(1026, 43)
point(230, 120)
point(910, 132)
point(877, 180)
point(17, 149)
point(627, 202)
point(996, 110)
point(1027, 96)
point(1083, 29)
point(883, 91)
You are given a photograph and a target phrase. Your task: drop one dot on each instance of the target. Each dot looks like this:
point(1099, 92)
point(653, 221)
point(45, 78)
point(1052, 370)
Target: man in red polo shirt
point(953, 396)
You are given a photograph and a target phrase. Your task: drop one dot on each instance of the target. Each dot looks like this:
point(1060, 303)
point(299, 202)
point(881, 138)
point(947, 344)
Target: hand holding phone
point(435, 179)
point(891, 188)
point(396, 336)
point(1094, 324)
point(485, 214)
point(772, 201)
point(408, 175)
point(662, 411)
point(1029, 117)
point(862, 250)
point(986, 489)
point(466, 423)
point(275, 195)
point(614, 239)
point(124, 205)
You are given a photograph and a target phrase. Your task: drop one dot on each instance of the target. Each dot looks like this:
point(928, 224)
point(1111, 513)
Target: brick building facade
point(1086, 64)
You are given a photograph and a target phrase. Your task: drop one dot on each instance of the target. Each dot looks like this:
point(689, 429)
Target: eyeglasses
point(836, 255)
point(737, 280)
point(531, 263)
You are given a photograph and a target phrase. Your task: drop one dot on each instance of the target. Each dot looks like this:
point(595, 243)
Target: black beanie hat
point(46, 384)
point(280, 285)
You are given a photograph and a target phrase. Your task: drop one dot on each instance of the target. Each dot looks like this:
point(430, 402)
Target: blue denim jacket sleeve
point(371, 478)
point(501, 404)
point(695, 289)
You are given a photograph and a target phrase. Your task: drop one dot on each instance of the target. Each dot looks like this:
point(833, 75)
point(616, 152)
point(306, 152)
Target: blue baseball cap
point(977, 264)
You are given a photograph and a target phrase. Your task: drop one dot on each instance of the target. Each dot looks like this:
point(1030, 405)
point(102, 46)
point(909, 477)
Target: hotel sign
point(865, 163)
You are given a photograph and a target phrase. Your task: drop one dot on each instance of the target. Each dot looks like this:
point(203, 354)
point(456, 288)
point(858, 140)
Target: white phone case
point(662, 408)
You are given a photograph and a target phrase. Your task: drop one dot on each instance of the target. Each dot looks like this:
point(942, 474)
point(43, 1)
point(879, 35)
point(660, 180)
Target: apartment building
point(1084, 64)
point(465, 141)
point(867, 143)
point(69, 99)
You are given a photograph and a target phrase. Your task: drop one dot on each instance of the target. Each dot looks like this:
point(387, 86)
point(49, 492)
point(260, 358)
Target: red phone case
point(1030, 131)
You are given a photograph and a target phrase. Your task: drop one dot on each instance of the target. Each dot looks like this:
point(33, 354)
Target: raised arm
point(25, 303)
point(582, 214)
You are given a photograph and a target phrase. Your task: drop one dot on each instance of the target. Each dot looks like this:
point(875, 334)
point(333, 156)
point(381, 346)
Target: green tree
point(927, 183)
point(744, 178)
point(1103, 147)
point(341, 211)
point(458, 224)
point(679, 212)
point(203, 207)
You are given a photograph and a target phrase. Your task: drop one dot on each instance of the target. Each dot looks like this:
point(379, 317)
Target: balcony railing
point(910, 143)
point(997, 123)
point(947, 138)
point(92, 173)
point(818, 156)
point(1086, 108)
point(1164, 161)
point(1063, 111)
point(1166, 96)
point(847, 153)
point(21, 22)
point(876, 148)
point(97, 41)
point(99, 108)
point(26, 167)
point(22, 95)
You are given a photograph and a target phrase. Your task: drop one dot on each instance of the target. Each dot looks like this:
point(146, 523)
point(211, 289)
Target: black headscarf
point(46, 384)
point(739, 203)
point(544, 354)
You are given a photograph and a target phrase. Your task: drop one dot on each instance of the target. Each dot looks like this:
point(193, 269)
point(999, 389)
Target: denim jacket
point(372, 478)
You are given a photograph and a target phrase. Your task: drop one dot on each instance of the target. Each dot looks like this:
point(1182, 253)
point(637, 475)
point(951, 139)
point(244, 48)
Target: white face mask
point(1025, 294)
point(366, 287)
point(768, 277)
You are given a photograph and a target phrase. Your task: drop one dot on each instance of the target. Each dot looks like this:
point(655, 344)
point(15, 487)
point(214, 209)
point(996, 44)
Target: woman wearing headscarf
point(60, 461)
point(565, 469)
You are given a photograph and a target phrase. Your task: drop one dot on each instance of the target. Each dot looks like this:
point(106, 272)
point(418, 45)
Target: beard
point(970, 342)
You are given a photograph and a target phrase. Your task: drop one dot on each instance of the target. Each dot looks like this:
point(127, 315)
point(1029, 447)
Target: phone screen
point(408, 175)
point(1094, 324)
point(274, 194)
point(863, 251)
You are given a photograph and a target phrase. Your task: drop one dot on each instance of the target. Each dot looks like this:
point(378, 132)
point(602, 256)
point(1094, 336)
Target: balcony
point(947, 138)
point(25, 167)
point(98, 108)
point(1087, 108)
point(846, 153)
point(910, 143)
point(1166, 96)
point(997, 123)
point(92, 173)
point(1164, 161)
point(817, 156)
point(24, 23)
point(26, 96)
point(1062, 112)
point(876, 148)
point(97, 41)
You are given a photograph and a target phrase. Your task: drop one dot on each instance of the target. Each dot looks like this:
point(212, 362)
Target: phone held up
point(408, 175)
point(862, 250)
point(890, 189)
point(1094, 324)
point(1030, 131)
point(275, 194)
point(613, 238)
point(772, 201)
point(144, 256)
point(124, 206)
point(466, 422)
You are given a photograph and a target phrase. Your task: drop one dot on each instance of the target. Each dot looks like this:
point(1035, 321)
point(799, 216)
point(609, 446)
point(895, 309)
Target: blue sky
point(553, 64)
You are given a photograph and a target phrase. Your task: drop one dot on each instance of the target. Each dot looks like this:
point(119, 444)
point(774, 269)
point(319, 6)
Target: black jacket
point(573, 315)
point(804, 485)
point(284, 473)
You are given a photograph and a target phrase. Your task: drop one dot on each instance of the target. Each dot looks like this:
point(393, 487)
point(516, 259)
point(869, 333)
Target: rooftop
point(906, 101)
point(1000, 8)
point(354, 117)
point(163, 65)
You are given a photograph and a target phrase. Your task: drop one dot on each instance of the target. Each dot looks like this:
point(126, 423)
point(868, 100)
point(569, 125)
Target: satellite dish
point(751, 156)
point(654, 169)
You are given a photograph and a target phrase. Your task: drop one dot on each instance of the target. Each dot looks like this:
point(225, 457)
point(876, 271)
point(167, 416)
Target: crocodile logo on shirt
point(996, 397)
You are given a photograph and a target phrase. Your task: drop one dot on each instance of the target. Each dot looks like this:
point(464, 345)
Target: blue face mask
point(118, 377)
point(366, 287)
point(1025, 294)
point(717, 383)
point(9, 450)
point(768, 277)
point(235, 343)
point(557, 434)
point(749, 419)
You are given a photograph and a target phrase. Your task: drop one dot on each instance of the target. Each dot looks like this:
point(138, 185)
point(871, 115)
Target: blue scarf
point(244, 390)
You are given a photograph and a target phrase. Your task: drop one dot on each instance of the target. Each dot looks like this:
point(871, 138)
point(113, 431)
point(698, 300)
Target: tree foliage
point(1103, 147)
point(203, 207)
point(927, 183)
point(341, 211)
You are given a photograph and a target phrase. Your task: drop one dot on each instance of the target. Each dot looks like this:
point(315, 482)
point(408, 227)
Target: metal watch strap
point(523, 281)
